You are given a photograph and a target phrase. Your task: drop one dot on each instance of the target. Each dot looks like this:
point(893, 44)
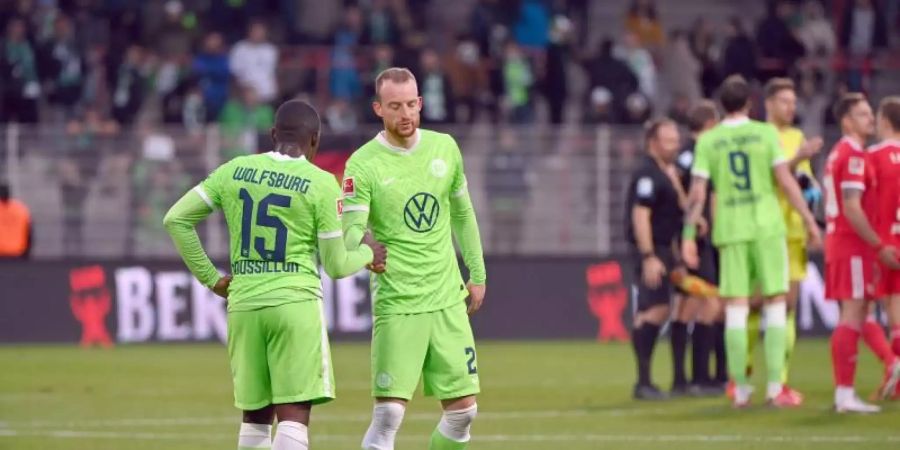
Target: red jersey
point(884, 208)
point(845, 169)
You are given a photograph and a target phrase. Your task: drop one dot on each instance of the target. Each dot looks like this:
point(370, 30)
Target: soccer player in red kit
point(884, 212)
point(852, 248)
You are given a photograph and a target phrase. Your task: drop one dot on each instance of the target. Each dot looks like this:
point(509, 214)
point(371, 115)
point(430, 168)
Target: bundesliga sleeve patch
point(340, 208)
point(644, 188)
point(349, 187)
point(856, 165)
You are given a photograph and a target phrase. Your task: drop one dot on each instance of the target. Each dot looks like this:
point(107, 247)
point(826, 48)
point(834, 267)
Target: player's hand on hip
point(888, 256)
point(810, 148)
point(652, 271)
point(476, 296)
point(221, 286)
point(689, 253)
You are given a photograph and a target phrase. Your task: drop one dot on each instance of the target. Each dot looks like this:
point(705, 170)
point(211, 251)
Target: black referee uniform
point(650, 187)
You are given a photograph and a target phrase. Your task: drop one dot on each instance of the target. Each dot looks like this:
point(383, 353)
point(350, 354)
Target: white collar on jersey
point(735, 121)
point(282, 157)
point(856, 145)
point(884, 144)
point(383, 141)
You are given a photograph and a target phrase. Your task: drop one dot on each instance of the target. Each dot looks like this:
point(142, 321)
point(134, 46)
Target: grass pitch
point(537, 395)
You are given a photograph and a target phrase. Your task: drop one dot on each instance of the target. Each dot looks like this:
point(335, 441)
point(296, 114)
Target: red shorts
point(888, 281)
point(851, 278)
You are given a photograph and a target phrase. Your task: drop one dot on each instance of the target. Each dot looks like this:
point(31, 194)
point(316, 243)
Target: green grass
point(537, 395)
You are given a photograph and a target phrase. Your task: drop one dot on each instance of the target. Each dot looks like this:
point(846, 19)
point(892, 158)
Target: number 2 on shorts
point(470, 352)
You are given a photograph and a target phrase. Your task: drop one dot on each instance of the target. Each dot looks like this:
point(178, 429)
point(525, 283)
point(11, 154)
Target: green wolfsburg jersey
point(276, 208)
point(738, 156)
point(408, 194)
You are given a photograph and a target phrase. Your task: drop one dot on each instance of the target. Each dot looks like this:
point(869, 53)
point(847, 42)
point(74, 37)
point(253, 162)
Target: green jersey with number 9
point(276, 208)
point(738, 156)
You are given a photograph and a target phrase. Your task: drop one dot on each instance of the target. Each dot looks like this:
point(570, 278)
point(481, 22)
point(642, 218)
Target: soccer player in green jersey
point(408, 185)
point(280, 209)
point(743, 159)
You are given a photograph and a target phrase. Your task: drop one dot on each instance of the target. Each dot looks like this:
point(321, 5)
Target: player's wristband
point(689, 232)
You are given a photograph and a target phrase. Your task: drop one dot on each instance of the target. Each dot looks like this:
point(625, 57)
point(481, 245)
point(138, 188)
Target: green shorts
point(438, 346)
point(756, 266)
point(280, 355)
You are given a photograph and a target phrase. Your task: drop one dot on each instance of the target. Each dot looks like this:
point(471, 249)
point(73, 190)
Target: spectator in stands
point(641, 63)
point(863, 28)
point(703, 44)
point(16, 231)
point(341, 117)
point(95, 94)
point(157, 182)
point(554, 81)
point(210, 67)
point(19, 84)
point(62, 69)
point(439, 105)
point(643, 21)
point(243, 120)
point(253, 62)
point(778, 48)
point(128, 90)
point(531, 29)
point(384, 59)
point(468, 78)
point(381, 24)
point(611, 81)
point(682, 69)
point(517, 81)
point(816, 32)
point(176, 34)
point(344, 82)
point(739, 56)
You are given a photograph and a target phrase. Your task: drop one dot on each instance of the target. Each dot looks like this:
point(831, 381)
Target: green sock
point(790, 340)
point(752, 336)
point(736, 351)
point(441, 442)
point(775, 342)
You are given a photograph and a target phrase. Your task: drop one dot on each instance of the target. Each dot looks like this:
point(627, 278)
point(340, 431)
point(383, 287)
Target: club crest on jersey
point(438, 168)
point(856, 166)
point(421, 212)
point(349, 187)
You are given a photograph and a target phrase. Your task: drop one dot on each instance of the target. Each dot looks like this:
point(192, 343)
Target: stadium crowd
point(192, 62)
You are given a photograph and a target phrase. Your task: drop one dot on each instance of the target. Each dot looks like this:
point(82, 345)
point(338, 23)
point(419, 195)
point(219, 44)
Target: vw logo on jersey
point(421, 212)
point(438, 168)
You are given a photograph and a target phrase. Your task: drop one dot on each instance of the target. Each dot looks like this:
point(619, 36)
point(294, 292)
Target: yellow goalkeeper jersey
point(791, 138)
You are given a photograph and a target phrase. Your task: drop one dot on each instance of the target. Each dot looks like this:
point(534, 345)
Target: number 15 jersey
point(276, 208)
point(738, 157)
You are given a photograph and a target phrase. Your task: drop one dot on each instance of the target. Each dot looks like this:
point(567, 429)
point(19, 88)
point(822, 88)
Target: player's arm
point(794, 195)
point(356, 196)
point(853, 211)
point(464, 226)
point(180, 222)
point(784, 176)
point(336, 259)
point(807, 150)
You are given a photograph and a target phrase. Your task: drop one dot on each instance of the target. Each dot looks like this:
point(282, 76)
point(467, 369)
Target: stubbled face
point(667, 142)
point(782, 107)
point(860, 120)
point(398, 107)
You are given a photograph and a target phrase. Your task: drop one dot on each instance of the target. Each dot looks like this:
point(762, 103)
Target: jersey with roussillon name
point(846, 168)
point(276, 208)
point(408, 194)
point(884, 207)
point(738, 156)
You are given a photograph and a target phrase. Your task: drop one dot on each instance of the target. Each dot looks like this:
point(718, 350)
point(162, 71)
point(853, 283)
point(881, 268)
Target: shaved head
point(297, 124)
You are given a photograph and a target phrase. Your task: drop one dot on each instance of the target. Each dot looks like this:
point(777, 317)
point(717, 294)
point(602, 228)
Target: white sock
point(773, 389)
point(291, 436)
point(776, 314)
point(844, 394)
point(255, 436)
point(386, 420)
point(736, 317)
point(455, 425)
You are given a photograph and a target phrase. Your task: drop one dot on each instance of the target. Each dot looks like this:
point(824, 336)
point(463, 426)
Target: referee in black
point(654, 217)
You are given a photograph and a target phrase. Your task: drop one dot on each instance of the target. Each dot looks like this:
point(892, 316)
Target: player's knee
point(776, 314)
point(455, 424)
point(736, 316)
point(386, 420)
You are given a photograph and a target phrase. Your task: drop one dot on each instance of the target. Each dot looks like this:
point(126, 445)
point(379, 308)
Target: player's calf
point(452, 432)
point(256, 430)
point(386, 419)
point(292, 432)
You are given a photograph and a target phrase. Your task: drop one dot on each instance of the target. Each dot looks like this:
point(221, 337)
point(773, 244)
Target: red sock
point(843, 354)
point(875, 339)
point(895, 340)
